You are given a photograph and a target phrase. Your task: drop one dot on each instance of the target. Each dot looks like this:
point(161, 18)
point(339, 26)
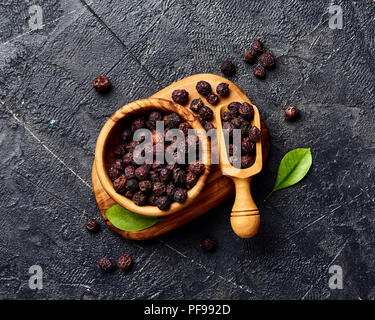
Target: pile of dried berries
point(239, 116)
point(266, 59)
point(155, 184)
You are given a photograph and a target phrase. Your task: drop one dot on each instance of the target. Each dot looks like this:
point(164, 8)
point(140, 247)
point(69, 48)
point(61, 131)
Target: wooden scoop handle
point(245, 217)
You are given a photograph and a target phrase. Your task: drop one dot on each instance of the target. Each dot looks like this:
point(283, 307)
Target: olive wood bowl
point(109, 138)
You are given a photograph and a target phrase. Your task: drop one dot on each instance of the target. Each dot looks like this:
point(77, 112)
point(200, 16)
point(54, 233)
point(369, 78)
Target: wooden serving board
point(218, 188)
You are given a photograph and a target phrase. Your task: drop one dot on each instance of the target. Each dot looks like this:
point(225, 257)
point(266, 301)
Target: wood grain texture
point(218, 188)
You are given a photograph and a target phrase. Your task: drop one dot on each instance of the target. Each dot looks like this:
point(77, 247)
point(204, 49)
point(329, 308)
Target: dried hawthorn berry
point(184, 127)
point(102, 84)
point(228, 127)
point(246, 111)
point(129, 172)
point(291, 113)
point(117, 164)
point(259, 72)
point(155, 116)
point(249, 56)
point(254, 134)
point(154, 176)
point(163, 203)
point(191, 179)
point(159, 188)
point(180, 195)
point(120, 184)
point(267, 60)
point(197, 167)
point(228, 68)
point(257, 45)
point(247, 161)
point(106, 264)
point(152, 199)
point(132, 185)
point(139, 198)
point(138, 123)
point(165, 174)
point(179, 176)
point(127, 158)
point(234, 107)
point(126, 134)
point(236, 121)
point(125, 262)
point(173, 120)
point(92, 225)
point(208, 126)
point(119, 151)
point(212, 98)
point(245, 126)
point(206, 113)
point(247, 146)
point(145, 186)
point(203, 88)
point(142, 172)
point(232, 149)
point(113, 173)
point(223, 89)
point(170, 190)
point(227, 116)
point(180, 96)
point(208, 244)
point(196, 104)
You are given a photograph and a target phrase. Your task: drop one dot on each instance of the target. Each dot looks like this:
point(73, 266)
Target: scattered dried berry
point(196, 104)
point(228, 127)
point(247, 146)
point(291, 113)
point(179, 176)
point(203, 88)
point(197, 167)
point(113, 173)
point(206, 113)
point(120, 184)
point(170, 190)
point(236, 121)
point(138, 123)
point(159, 188)
point(247, 161)
point(92, 225)
point(259, 72)
point(129, 172)
point(184, 127)
point(145, 186)
point(208, 244)
point(246, 111)
point(139, 198)
point(212, 98)
point(173, 120)
point(228, 68)
point(163, 203)
point(106, 264)
point(223, 89)
point(267, 60)
point(154, 176)
point(132, 185)
point(125, 262)
point(152, 199)
point(207, 126)
point(142, 173)
point(191, 179)
point(257, 45)
point(102, 84)
point(165, 174)
point(249, 56)
point(234, 107)
point(254, 134)
point(180, 195)
point(227, 116)
point(155, 116)
point(180, 96)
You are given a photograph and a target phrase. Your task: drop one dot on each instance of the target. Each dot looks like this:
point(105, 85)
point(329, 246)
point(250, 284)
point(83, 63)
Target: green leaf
point(129, 221)
point(293, 167)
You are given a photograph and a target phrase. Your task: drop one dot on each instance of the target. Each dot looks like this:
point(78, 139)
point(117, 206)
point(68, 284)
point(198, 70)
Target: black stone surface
point(45, 186)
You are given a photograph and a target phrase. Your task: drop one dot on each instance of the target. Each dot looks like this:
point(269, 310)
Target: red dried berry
point(106, 264)
point(246, 111)
point(291, 113)
point(125, 262)
point(113, 173)
point(120, 184)
point(212, 99)
point(223, 89)
point(267, 60)
point(234, 107)
point(159, 188)
point(138, 123)
point(228, 68)
point(92, 225)
point(102, 84)
point(247, 146)
point(208, 244)
point(180, 195)
point(129, 172)
point(180, 96)
point(254, 134)
point(184, 127)
point(196, 104)
point(257, 45)
point(163, 203)
point(139, 198)
point(197, 167)
point(249, 56)
point(259, 72)
point(145, 186)
point(172, 120)
point(203, 88)
point(247, 161)
point(142, 172)
point(132, 185)
point(207, 126)
point(191, 179)
point(206, 113)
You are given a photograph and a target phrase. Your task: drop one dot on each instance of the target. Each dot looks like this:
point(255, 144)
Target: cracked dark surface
point(45, 188)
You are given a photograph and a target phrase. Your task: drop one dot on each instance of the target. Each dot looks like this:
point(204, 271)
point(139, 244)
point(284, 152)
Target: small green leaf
point(129, 221)
point(293, 167)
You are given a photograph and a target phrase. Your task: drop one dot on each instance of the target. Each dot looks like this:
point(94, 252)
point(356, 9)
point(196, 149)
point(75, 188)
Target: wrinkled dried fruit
point(234, 107)
point(165, 174)
point(139, 198)
point(113, 173)
point(180, 195)
point(152, 199)
point(126, 134)
point(132, 185)
point(246, 111)
point(92, 225)
point(191, 179)
point(106, 264)
point(145, 186)
point(179, 176)
point(142, 172)
point(257, 45)
point(138, 123)
point(236, 121)
point(212, 98)
point(227, 116)
point(159, 188)
point(170, 190)
point(173, 120)
point(259, 72)
point(197, 167)
point(247, 146)
point(102, 84)
point(125, 262)
point(180, 96)
point(207, 126)
point(163, 203)
point(129, 172)
point(249, 56)
point(203, 88)
point(208, 244)
point(120, 184)
point(206, 113)
point(223, 89)
point(228, 127)
point(254, 134)
point(247, 161)
point(228, 68)
point(196, 104)
point(184, 127)
point(291, 113)
point(267, 60)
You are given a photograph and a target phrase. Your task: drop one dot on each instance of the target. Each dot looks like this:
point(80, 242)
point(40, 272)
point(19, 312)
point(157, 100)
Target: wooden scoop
point(245, 217)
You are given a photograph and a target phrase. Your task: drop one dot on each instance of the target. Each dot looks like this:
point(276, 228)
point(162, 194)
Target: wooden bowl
point(109, 138)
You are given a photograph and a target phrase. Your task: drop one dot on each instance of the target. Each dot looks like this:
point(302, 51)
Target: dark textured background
point(45, 185)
